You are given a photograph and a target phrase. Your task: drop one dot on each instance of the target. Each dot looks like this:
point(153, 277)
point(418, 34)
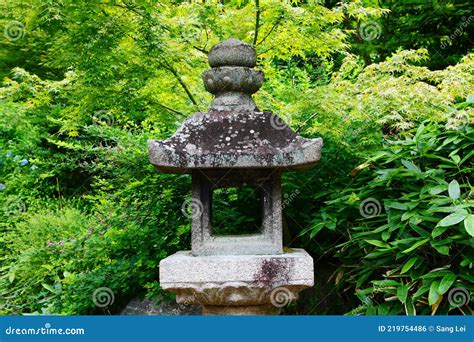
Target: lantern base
point(237, 284)
point(247, 310)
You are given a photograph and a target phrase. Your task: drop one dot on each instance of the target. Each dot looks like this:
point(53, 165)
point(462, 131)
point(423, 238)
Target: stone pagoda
point(234, 144)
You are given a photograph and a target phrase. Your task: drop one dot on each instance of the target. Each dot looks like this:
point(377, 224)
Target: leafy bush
point(57, 259)
point(34, 260)
point(407, 221)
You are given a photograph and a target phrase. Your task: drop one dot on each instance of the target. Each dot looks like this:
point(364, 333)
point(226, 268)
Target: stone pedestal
point(237, 284)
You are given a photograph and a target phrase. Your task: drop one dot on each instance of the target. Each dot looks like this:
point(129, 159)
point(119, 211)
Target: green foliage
point(34, 246)
point(380, 28)
point(88, 83)
point(236, 211)
point(406, 222)
point(395, 94)
point(442, 27)
point(129, 219)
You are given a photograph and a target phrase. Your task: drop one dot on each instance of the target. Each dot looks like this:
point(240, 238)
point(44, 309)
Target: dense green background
point(388, 85)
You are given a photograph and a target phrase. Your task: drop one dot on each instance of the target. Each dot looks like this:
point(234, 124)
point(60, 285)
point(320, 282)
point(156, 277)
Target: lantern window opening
point(236, 210)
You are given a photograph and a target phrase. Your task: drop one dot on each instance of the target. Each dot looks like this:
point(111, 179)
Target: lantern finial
point(232, 77)
point(232, 52)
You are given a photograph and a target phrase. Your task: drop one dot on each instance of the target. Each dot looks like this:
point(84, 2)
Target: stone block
point(218, 282)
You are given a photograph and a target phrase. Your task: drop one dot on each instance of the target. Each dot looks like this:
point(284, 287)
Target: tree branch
point(169, 109)
point(173, 71)
point(277, 22)
point(128, 7)
point(165, 64)
point(201, 49)
point(257, 21)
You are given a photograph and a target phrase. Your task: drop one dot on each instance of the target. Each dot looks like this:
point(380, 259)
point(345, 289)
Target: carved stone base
point(237, 284)
point(249, 310)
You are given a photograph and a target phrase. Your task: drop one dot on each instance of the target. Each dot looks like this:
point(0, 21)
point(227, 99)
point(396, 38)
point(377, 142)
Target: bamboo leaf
point(454, 190)
point(410, 166)
point(438, 230)
point(416, 245)
point(469, 224)
point(445, 284)
point(452, 219)
point(433, 295)
point(408, 265)
point(378, 243)
point(402, 293)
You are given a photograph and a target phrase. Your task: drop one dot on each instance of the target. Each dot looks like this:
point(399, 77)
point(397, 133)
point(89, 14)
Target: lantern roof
point(234, 133)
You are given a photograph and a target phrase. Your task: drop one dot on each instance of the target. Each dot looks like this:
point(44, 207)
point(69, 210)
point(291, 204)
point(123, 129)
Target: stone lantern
point(234, 144)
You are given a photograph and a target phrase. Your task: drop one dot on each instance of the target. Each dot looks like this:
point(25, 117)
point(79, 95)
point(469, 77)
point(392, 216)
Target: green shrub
point(58, 258)
point(131, 233)
point(405, 223)
point(34, 263)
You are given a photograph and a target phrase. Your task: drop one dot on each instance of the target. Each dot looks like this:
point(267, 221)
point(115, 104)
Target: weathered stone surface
point(269, 241)
point(235, 144)
point(232, 52)
point(147, 307)
point(234, 133)
point(239, 139)
point(250, 310)
point(209, 273)
point(232, 79)
point(237, 281)
point(233, 101)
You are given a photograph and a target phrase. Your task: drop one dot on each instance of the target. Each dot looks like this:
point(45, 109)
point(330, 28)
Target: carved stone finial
point(232, 77)
point(232, 52)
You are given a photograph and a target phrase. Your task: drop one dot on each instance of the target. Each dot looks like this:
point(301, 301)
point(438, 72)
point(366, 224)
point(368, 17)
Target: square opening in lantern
point(236, 211)
point(241, 212)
